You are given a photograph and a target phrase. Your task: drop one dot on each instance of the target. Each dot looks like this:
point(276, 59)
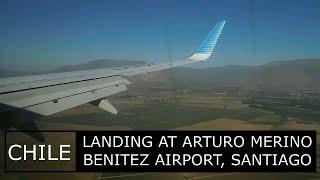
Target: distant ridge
point(300, 74)
point(95, 64)
point(10, 73)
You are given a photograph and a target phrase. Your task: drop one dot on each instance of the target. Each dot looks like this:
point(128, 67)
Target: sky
point(40, 35)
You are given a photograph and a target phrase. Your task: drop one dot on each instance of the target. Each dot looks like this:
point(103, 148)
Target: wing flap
point(107, 106)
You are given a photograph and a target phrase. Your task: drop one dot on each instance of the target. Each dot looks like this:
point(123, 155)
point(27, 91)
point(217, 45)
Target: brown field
point(213, 102)
point(226, 124)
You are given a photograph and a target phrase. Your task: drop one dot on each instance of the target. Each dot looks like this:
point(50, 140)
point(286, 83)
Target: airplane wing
point(43, 95)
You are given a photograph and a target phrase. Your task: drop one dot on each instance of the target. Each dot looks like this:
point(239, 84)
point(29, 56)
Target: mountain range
point(300, 74)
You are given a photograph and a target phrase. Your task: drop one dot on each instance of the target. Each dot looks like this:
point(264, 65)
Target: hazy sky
point(45, 34)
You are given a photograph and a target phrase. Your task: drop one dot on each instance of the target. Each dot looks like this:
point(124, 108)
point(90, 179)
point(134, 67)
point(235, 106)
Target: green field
point(158, 115)
point(303, 109)
point(152, 116)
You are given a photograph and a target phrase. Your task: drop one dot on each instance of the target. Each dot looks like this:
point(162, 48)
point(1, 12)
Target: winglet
point(207, 46)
